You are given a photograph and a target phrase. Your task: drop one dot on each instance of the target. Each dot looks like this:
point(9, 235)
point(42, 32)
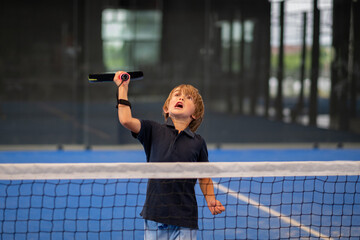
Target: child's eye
point(189, 97)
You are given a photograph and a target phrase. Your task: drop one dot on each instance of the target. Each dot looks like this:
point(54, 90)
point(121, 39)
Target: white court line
point(270, 211)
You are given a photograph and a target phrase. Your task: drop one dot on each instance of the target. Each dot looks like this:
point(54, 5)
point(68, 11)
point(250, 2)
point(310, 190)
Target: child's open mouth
point(179, 105)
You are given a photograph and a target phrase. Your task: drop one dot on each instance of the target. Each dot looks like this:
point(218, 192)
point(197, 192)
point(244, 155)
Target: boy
point(170, 209)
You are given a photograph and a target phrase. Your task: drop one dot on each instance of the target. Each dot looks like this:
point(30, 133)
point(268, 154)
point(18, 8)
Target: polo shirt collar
point(170, 123)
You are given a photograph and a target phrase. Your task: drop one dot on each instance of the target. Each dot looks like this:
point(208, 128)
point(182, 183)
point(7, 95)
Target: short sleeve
point(145, 136)
point(203, 156)
point(145, 131)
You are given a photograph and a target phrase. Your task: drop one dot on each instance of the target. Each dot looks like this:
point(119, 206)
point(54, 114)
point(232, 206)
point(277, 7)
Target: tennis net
point(263, 200)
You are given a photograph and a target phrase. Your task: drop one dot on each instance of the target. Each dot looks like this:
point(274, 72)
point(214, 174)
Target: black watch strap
point(123, 102)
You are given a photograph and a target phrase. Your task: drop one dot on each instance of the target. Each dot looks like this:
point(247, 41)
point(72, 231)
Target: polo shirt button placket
point(173, 146)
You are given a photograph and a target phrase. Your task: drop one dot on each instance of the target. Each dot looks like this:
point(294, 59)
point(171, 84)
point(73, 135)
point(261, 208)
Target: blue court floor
point(109, 209)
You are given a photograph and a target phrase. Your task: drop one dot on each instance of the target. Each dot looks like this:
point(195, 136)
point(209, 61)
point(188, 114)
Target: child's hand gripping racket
point(121, 77)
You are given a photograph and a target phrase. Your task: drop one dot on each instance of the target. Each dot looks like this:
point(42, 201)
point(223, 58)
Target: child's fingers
point(219, 206)
point(216, 211)
point(117, 79)
point(213, 211)
point(216, 207)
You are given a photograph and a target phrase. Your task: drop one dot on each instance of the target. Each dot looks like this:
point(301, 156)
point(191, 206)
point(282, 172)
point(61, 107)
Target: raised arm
point(124, 111)
point(207, 188)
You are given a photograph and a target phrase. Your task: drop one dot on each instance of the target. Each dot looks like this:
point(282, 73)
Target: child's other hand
point(215, 207)
point(118, 80)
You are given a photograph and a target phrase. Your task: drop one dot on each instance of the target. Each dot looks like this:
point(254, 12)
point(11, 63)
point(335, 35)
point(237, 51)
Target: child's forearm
point(124, 111)
point(207, 188)
point(123, 91)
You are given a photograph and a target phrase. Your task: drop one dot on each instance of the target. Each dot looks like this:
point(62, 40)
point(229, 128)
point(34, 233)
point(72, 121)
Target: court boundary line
point(284, 218)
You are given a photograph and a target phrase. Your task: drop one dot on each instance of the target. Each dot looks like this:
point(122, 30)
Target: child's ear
point(193, 117)
point(166, 109)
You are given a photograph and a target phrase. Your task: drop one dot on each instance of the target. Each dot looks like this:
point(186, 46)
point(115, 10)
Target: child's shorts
point(160, 231)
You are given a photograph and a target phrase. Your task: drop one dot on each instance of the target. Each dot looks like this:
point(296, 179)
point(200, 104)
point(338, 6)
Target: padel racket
point(109, 77)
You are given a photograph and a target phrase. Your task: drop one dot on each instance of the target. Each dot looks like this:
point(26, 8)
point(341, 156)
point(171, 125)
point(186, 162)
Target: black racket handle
point(109, 77)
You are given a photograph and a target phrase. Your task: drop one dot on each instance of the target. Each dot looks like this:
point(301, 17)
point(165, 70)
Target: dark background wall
point(49, 47)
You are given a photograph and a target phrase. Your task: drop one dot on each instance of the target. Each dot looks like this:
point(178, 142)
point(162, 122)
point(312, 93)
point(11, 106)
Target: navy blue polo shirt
point(171, 201)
